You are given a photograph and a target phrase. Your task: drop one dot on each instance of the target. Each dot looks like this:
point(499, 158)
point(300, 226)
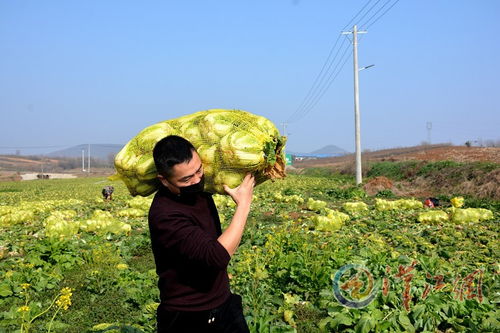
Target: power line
point(313, 92)
point(317, 88)
point(349, 23)
point(321, 73)
point(326, 76)
point(320, 93)
point(373, 6)
point(378, 18)
point(375, 14)
point(325, 89)
point(333, 78)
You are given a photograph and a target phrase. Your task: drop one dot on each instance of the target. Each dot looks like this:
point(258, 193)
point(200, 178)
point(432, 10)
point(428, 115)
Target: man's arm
point(242, 196)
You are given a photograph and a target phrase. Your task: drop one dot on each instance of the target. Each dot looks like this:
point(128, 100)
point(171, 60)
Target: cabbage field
point(318, 255)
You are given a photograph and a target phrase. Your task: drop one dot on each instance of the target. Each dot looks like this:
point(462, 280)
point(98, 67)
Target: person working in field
point(107, 193)
point(190, 250)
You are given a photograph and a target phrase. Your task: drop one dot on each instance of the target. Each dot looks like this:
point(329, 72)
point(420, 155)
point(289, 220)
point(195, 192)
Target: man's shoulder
point(160, 206)
point(162, 203)
point(161, 212)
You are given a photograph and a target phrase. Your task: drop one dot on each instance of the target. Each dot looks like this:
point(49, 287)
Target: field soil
point(421, 153)
point(470, 182)
point(483, 185)
point(16, 168)
point(33, 176)
point(7, 175)
point(24, 163)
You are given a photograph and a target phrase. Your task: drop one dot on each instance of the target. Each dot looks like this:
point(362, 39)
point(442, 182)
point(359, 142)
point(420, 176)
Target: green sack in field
point(231, 143)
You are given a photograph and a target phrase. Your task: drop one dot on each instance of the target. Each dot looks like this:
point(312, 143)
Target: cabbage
point(457, 202)
point(315, 205)
point(355, 207)
point(401, 204)
point(294, 199)
point(434, 216)
point(470, 215)
point(231, 143)
point(333, 221)
point(60, 224)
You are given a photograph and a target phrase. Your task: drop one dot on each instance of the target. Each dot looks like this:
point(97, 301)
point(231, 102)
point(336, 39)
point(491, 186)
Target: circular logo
point(354, 286)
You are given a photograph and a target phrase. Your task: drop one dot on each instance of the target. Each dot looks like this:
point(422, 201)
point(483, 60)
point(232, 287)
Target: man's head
point(178, 164)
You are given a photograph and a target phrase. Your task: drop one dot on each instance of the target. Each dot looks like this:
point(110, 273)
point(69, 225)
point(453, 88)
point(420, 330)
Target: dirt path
point(33, 176)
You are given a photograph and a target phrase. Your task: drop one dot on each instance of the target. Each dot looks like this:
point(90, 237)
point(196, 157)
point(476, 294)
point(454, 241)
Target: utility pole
point(88, 162)
point(284, 128)
point(357, 129)
point(429, 129)
point(83, 160)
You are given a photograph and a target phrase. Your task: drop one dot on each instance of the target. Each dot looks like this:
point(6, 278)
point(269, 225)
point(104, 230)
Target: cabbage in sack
point(231, 143)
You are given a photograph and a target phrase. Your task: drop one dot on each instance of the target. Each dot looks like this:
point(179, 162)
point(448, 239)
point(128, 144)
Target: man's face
point(184, 174)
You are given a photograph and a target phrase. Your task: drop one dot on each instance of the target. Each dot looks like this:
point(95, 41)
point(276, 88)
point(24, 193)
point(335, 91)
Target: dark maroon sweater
point(190, 261)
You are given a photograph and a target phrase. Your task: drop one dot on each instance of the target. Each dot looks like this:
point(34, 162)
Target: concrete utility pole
point(83, 160)
point(429, 129)
point(88, 162)
point(284, 128)
point(355, 33)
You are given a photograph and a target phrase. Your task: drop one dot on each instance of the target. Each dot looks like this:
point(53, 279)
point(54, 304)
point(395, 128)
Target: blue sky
point(76, 72)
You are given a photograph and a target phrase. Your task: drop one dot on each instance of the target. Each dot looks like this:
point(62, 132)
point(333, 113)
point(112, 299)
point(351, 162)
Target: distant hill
point(326, 151)
point(101, 151)
point(330, 150)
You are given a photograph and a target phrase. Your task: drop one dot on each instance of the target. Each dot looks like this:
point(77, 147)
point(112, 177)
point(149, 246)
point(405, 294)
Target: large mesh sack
point(231, 143)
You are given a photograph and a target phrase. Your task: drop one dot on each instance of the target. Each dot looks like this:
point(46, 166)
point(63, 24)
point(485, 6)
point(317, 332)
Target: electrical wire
point(368, 11)
point(325, 89)
point(375, 14)
point(378, 18)
point(321, 73)
point(320, 93)
point(320, 85)
point(359, 12)
point(313, 92)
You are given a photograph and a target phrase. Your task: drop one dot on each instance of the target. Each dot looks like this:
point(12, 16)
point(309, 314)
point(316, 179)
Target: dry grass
point(420, 153)
point(465, 181)
point(9, 176)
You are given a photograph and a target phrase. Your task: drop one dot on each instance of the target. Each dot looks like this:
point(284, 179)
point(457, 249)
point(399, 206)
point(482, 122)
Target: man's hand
point(242, 195)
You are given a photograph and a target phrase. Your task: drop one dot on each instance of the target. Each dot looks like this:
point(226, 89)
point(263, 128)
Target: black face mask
point(195, 188)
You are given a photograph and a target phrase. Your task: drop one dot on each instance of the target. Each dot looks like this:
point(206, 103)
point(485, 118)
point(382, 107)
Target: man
point(190, 250)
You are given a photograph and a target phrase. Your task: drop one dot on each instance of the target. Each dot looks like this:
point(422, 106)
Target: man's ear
point(167, 184)
point(163, 180)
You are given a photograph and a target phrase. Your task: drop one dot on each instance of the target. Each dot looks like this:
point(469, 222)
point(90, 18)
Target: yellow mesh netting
point(231, 143)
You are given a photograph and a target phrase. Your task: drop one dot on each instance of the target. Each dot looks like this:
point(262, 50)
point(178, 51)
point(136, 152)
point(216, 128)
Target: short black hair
point(170, 151)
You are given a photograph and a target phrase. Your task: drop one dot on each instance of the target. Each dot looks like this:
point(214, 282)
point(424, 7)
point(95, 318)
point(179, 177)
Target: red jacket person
point(191, 252)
